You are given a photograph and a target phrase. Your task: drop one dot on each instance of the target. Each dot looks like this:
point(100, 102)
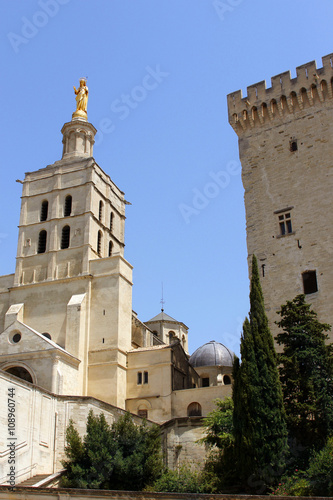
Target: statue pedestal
point(79, 113)
point(78, 136)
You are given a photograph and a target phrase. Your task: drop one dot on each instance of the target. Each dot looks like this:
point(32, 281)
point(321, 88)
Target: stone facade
point(69, 340)
point(285, 146)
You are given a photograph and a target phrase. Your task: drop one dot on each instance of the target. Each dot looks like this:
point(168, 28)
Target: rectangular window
point(145, 377)
point(139, 378)
point(285, 224)
point(205, 382)
point(310, 282)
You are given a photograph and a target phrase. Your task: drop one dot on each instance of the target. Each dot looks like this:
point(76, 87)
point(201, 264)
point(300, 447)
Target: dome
point(212, 354)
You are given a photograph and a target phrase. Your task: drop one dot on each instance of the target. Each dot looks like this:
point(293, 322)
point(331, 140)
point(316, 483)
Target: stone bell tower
point(71, 212)
point(71, 295)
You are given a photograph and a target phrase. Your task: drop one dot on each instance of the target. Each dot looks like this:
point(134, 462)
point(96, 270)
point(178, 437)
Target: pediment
point(19, 338)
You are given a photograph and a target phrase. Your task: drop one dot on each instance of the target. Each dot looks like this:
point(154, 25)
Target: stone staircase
point(34, 480)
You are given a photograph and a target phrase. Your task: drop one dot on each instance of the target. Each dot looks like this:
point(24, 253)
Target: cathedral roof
point(212, 354)
point(162, 317)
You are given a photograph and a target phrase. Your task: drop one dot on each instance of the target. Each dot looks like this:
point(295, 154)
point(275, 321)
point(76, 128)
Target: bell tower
point(72, 284)
point(71, 212)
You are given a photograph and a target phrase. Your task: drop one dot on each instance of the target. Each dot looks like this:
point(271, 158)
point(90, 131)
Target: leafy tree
point(124, 456)
point(320, 471)
point(259, 419)
point(219, 424)
point(184, 480)
point(306, 373)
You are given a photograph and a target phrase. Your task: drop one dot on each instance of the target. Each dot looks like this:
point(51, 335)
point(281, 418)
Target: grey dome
point(212, 354)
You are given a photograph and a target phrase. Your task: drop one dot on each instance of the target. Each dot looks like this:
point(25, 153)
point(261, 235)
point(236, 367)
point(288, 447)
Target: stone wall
point(41, 421)
point(180, 442)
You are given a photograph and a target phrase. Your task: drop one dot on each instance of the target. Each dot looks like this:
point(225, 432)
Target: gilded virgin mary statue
point(81, 99)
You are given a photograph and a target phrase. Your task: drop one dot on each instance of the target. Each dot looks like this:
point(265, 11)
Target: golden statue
point(81, 99)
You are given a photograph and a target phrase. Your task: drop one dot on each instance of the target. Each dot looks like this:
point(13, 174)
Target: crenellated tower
point(286, 150)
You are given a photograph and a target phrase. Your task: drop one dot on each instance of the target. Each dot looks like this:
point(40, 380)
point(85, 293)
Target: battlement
point(287, 95)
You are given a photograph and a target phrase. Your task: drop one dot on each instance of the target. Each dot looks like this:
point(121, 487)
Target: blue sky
point(158, 75)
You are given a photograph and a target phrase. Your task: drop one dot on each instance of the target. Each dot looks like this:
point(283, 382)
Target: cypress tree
point(306, 374)
point(259, 418)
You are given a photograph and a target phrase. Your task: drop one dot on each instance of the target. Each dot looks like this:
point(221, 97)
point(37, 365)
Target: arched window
point(100, 211)
point(20, 372)
point(110, 248)
point(99, 243)
point(65, 237)
point(111, 221)
point(172, 336)
point(47, 335)
point(43, 210)
point(42, 241)
point(226, 380)
point(68, 206)
point(194, 410)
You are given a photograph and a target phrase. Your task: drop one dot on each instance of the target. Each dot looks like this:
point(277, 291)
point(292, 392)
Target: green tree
point(218, 469)
point(260, 429)
point(306, 372)
point(124, 456)
point(184, 480)
point(219, 424)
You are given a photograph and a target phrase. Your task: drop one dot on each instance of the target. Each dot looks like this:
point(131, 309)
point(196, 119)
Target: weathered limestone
point(285, 146)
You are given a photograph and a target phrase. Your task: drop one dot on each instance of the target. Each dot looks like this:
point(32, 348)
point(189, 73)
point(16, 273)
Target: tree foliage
point(259, 419)
point(182, 480)
point(219, 424)
point(306, 371)
point(123, 456)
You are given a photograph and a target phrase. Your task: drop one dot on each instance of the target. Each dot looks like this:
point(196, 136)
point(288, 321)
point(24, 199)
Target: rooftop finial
point(162, 300)
point(81, 100)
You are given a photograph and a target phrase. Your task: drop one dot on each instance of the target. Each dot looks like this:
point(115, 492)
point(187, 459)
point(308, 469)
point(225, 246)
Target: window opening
point(16, 338)
point(65, 237)
point(99, 243)
point(285, 224)
point(111, 221)
point(145, 377)
point(293, 145)
point(194, 410)
point(143, 413)
point(47, 335)
point(42, 241)
point(310, 282)
point(205, 382)
point(110, 248)
point(43, 210)
point(100, 211)
point(20, 372)
point(139, 378)
point(226, 380)
point(68, 206)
